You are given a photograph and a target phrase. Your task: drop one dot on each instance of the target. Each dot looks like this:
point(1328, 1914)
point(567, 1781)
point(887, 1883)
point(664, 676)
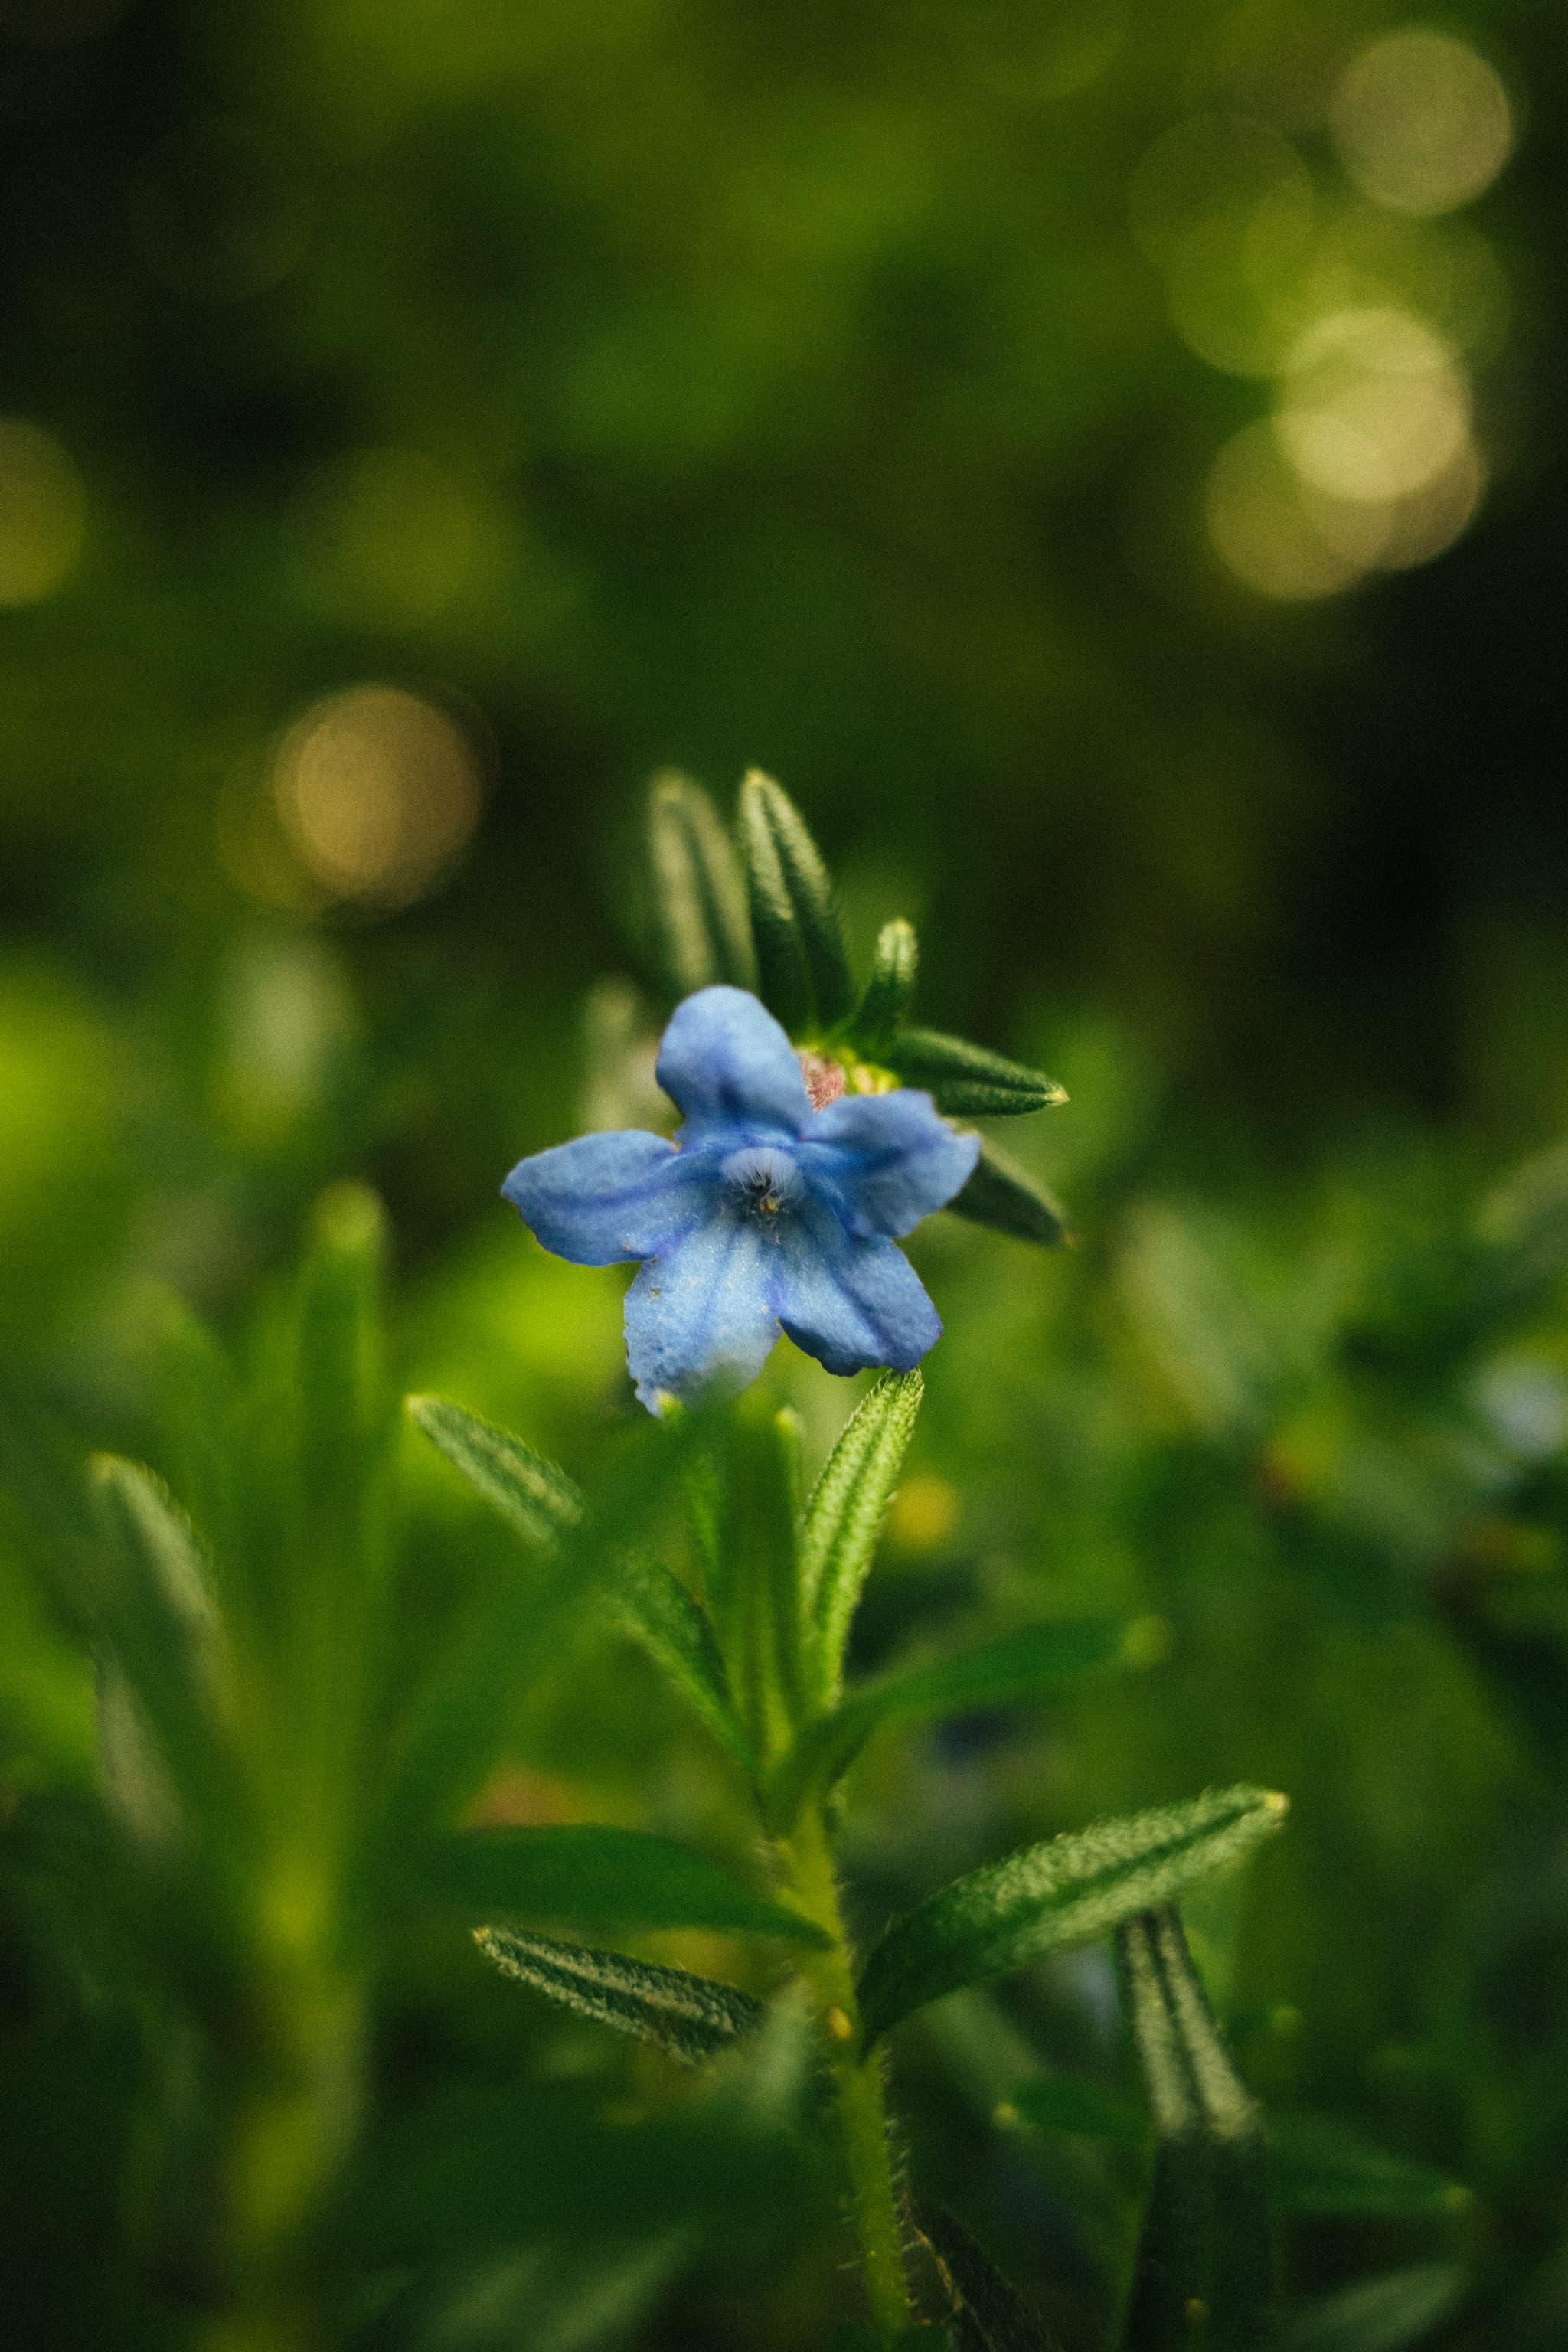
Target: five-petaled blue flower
point(765, 1213)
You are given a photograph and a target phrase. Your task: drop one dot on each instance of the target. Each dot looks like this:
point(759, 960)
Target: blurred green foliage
point(646, 383)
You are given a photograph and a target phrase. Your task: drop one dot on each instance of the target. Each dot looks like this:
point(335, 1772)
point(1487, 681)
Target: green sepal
point(699, 893)
point(989, 2312)
point(689, 2016)
point(968, 1081)
point(1318, 2165)
point(890, 993)
point(655, 1610)
point(843, 1521)
point(1065, 1891)
point(1020, 1665)
point(530, 1493)
point(591, 1871)
point(1206, 2242)
point(803, 970)
point(999, 1193)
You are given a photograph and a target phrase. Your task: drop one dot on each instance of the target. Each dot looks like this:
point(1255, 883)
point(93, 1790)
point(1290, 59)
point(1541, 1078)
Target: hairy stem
point(857, 2079)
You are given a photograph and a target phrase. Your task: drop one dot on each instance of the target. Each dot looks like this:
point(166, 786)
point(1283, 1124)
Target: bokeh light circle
point(43, 512)
point(1372, 404)
point(1423, 124)
point(378, 793)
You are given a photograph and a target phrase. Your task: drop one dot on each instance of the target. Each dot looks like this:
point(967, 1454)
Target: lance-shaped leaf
point(1067, 1891)
point(968, 1081)
point(843, 1522)
point(1027, 1664)
point(803, 970)
point(1318, 2165)
point(1077, 2106)
point(699, 895)
point(989, 2312)
point(596, 1873)
point(690, 2017)
point(999, 1193)
point(890, 991)
point(1379, 2315)
point(657, 1612)
point(1206, 2244)
point(535, 1498)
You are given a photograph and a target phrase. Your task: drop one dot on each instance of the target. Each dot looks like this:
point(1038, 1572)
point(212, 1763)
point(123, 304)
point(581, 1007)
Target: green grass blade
point(613, 1875)
point(968, 1081)
point(530, 1493)
point(803, 970)
point(1027, 1664)
point(689, 2016)
point(843, 1524)
point(699, 893)
point(1001, 1193)
point(1380, 2314)
point(1067, 1891)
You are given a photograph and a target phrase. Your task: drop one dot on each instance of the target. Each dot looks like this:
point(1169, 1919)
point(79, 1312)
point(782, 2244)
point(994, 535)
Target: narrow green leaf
point(535, 1498)
point(1026, 1664)
point(890, 993)
point(1000, 1193)
point(699, 892)
point(690, 2017)
point(803, 971)
point(843, 1522)
point(1381, 2315)
point(1078, 2107)
point(624, 1876)
point(968, 1081)
point(1067, 1891)
point(1207, 2242)
point(990, 2314)
point(657, 1613)
point(1320, 2166)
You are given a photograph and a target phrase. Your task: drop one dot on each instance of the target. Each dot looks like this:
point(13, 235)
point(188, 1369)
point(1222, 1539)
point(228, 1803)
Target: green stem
point(857, 2079)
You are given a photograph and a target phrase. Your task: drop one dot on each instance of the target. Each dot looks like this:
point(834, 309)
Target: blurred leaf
point(1001, 1193)
point(699, 892)
point(804, 974)
point(843, 1522)
point(1080, 2108)
point(530, 1493)
point(1207, 2244)
point(1026, 1664)
point(1318, 2165)
point(592, 1872)
point(1523, 1228)
point(753, 1576)
point(664, 1619)
point(1382, 2315)
point(1065, 1891)
point(689, 2016)
point(553, 2297)
point(968, 1081)
point(890, 993)
point(991, 2315)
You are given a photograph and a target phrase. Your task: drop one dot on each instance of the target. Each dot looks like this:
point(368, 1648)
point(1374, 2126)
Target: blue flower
point(763, 1214)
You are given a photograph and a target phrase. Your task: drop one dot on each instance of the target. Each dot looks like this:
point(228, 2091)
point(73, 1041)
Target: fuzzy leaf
point(890, 993)
point(803, 970)
point(655, 1609)
point(535, 1498)
point(843, 1522)
point(968, 1081)
point(990, 2314)
point(597, 1873)
point(698, 890)
point(1065, 1891)
point(1020, 1665)
point(689, 2016)
point(1207, 2240)
point(1000, 1193)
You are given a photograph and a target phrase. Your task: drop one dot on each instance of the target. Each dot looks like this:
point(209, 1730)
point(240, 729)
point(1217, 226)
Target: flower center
point(764, 1181)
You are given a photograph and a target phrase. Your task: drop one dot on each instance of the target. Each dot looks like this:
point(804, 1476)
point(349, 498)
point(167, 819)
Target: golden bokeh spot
point(1259, 526)
point(1372, 405)
point(378, 794)
point(391, 539)
point(43, 513)
point(1422, 124)
point(924, 1513)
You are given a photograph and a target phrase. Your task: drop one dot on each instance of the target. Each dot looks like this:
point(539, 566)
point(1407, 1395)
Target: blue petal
point(886, 1160)
point(850, 1300)
point(607, 1198)
point(701, 1310)
point(728, 1064)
